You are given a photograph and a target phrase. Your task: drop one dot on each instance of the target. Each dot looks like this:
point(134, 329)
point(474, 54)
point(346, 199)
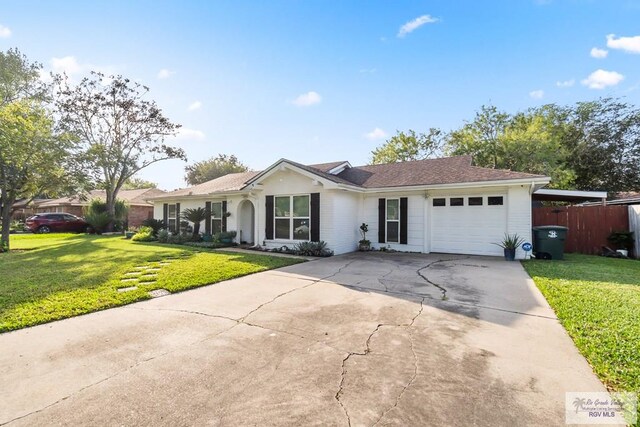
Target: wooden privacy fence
point(589, 226)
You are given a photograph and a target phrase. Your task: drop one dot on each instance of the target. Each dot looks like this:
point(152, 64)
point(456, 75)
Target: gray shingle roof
point(132, 197)
point(230, 182)
point(448, 170)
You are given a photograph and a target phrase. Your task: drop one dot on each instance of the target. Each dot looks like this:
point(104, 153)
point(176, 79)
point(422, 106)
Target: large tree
point(213, 168)
point(605, 145)
point(481, 137)
point(533, 141)
point(120, 130)
point(33, 157)
point(138, 184)
point(410, 145)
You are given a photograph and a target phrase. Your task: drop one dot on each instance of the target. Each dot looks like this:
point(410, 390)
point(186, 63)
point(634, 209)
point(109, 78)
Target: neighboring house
point(437, 205)
point(139, 206)
point(24, 208)
point(625, 198)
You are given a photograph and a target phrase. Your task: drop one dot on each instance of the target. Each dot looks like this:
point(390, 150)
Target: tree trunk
point(6, 205)
point(111, 208)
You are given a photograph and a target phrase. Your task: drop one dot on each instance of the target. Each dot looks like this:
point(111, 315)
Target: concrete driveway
point(362, 339)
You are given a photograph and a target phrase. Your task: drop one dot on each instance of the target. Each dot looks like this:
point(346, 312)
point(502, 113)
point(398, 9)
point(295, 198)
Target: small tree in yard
point(196, 216)
point(120, 131)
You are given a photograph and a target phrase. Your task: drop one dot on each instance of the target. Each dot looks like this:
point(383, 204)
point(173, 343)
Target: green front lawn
point(54, 276)
point(598, 302)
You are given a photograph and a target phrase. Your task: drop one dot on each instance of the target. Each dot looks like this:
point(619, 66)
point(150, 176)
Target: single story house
point(24, 208)
point(140, 208)
point(436, 205)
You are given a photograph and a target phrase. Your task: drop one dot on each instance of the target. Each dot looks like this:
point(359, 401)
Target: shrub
point(224, 235)
point(99, 219)
point(622, 239)
point(144, 234)
point(318, 249)
point(208, 245)
point(179, 239)
point(155, 224)
point(163, 235)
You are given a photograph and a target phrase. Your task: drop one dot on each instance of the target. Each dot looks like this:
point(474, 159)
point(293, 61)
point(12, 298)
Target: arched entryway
point(246, 222)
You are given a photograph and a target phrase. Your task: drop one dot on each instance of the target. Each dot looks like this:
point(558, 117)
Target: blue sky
point(316, 81)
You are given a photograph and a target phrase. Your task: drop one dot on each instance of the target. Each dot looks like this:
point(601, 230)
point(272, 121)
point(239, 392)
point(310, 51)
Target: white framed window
point(216, 217)
point(393, 220)
point(172, 218)
point(291, 217)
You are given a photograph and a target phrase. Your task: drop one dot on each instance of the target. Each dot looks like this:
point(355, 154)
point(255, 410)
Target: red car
point(48, 222)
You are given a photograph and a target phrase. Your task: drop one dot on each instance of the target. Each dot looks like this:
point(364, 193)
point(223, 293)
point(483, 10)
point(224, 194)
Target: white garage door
point(468, 224)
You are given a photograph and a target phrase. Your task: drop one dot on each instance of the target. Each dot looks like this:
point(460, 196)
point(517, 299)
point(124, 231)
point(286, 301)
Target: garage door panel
point(468, 229)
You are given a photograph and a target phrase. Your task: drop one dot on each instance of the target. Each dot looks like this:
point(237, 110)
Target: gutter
point(461, 185)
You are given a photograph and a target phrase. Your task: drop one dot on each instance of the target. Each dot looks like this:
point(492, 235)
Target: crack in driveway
point(439, 286)
point(238, 322)
point(367, 350)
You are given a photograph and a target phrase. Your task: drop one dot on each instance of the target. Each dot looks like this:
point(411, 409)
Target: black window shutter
point(224, 216)
point(403, 220)
point(315, 217)
point(269, 218)
point(207, 221)
point(165, 214)
point(178, 228)
point(382, 220)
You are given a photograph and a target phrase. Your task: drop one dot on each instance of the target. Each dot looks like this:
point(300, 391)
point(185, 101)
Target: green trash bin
point(548, 241)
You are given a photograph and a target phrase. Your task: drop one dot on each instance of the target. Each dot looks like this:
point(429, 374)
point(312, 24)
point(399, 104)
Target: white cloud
point(415, 24)
point(5, 32)
point(628, 44)
point(165, 73)
point(307, 99)
point(187, 134)
point(566, 83)
point(376, 134)
point(600, 79)
point(599, 53)
point(367, 70)
point(536, 94)
point(67, 64)
point(194, 105)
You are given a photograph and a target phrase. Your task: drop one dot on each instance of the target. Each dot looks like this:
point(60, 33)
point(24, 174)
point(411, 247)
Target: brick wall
point(137, 214)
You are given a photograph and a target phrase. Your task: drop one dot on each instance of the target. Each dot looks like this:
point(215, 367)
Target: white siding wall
point(291, 183)
point(415, 220)
point(232, 205)
point(342, 212)
point(519, 214)
point(344, 233)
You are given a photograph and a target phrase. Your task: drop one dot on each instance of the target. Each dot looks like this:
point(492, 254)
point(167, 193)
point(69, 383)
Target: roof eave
point(537, 181)
point(293, 166)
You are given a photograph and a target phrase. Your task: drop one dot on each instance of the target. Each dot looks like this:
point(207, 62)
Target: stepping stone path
point(159, 293)
point(146, 275)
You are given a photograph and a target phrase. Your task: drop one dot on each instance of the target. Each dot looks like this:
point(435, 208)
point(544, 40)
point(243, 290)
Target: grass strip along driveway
point(597, 300)
point(54, 276)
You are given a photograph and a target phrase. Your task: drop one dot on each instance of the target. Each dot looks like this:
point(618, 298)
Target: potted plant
point(130, 232)
point(509, 244)
point(364, 244)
